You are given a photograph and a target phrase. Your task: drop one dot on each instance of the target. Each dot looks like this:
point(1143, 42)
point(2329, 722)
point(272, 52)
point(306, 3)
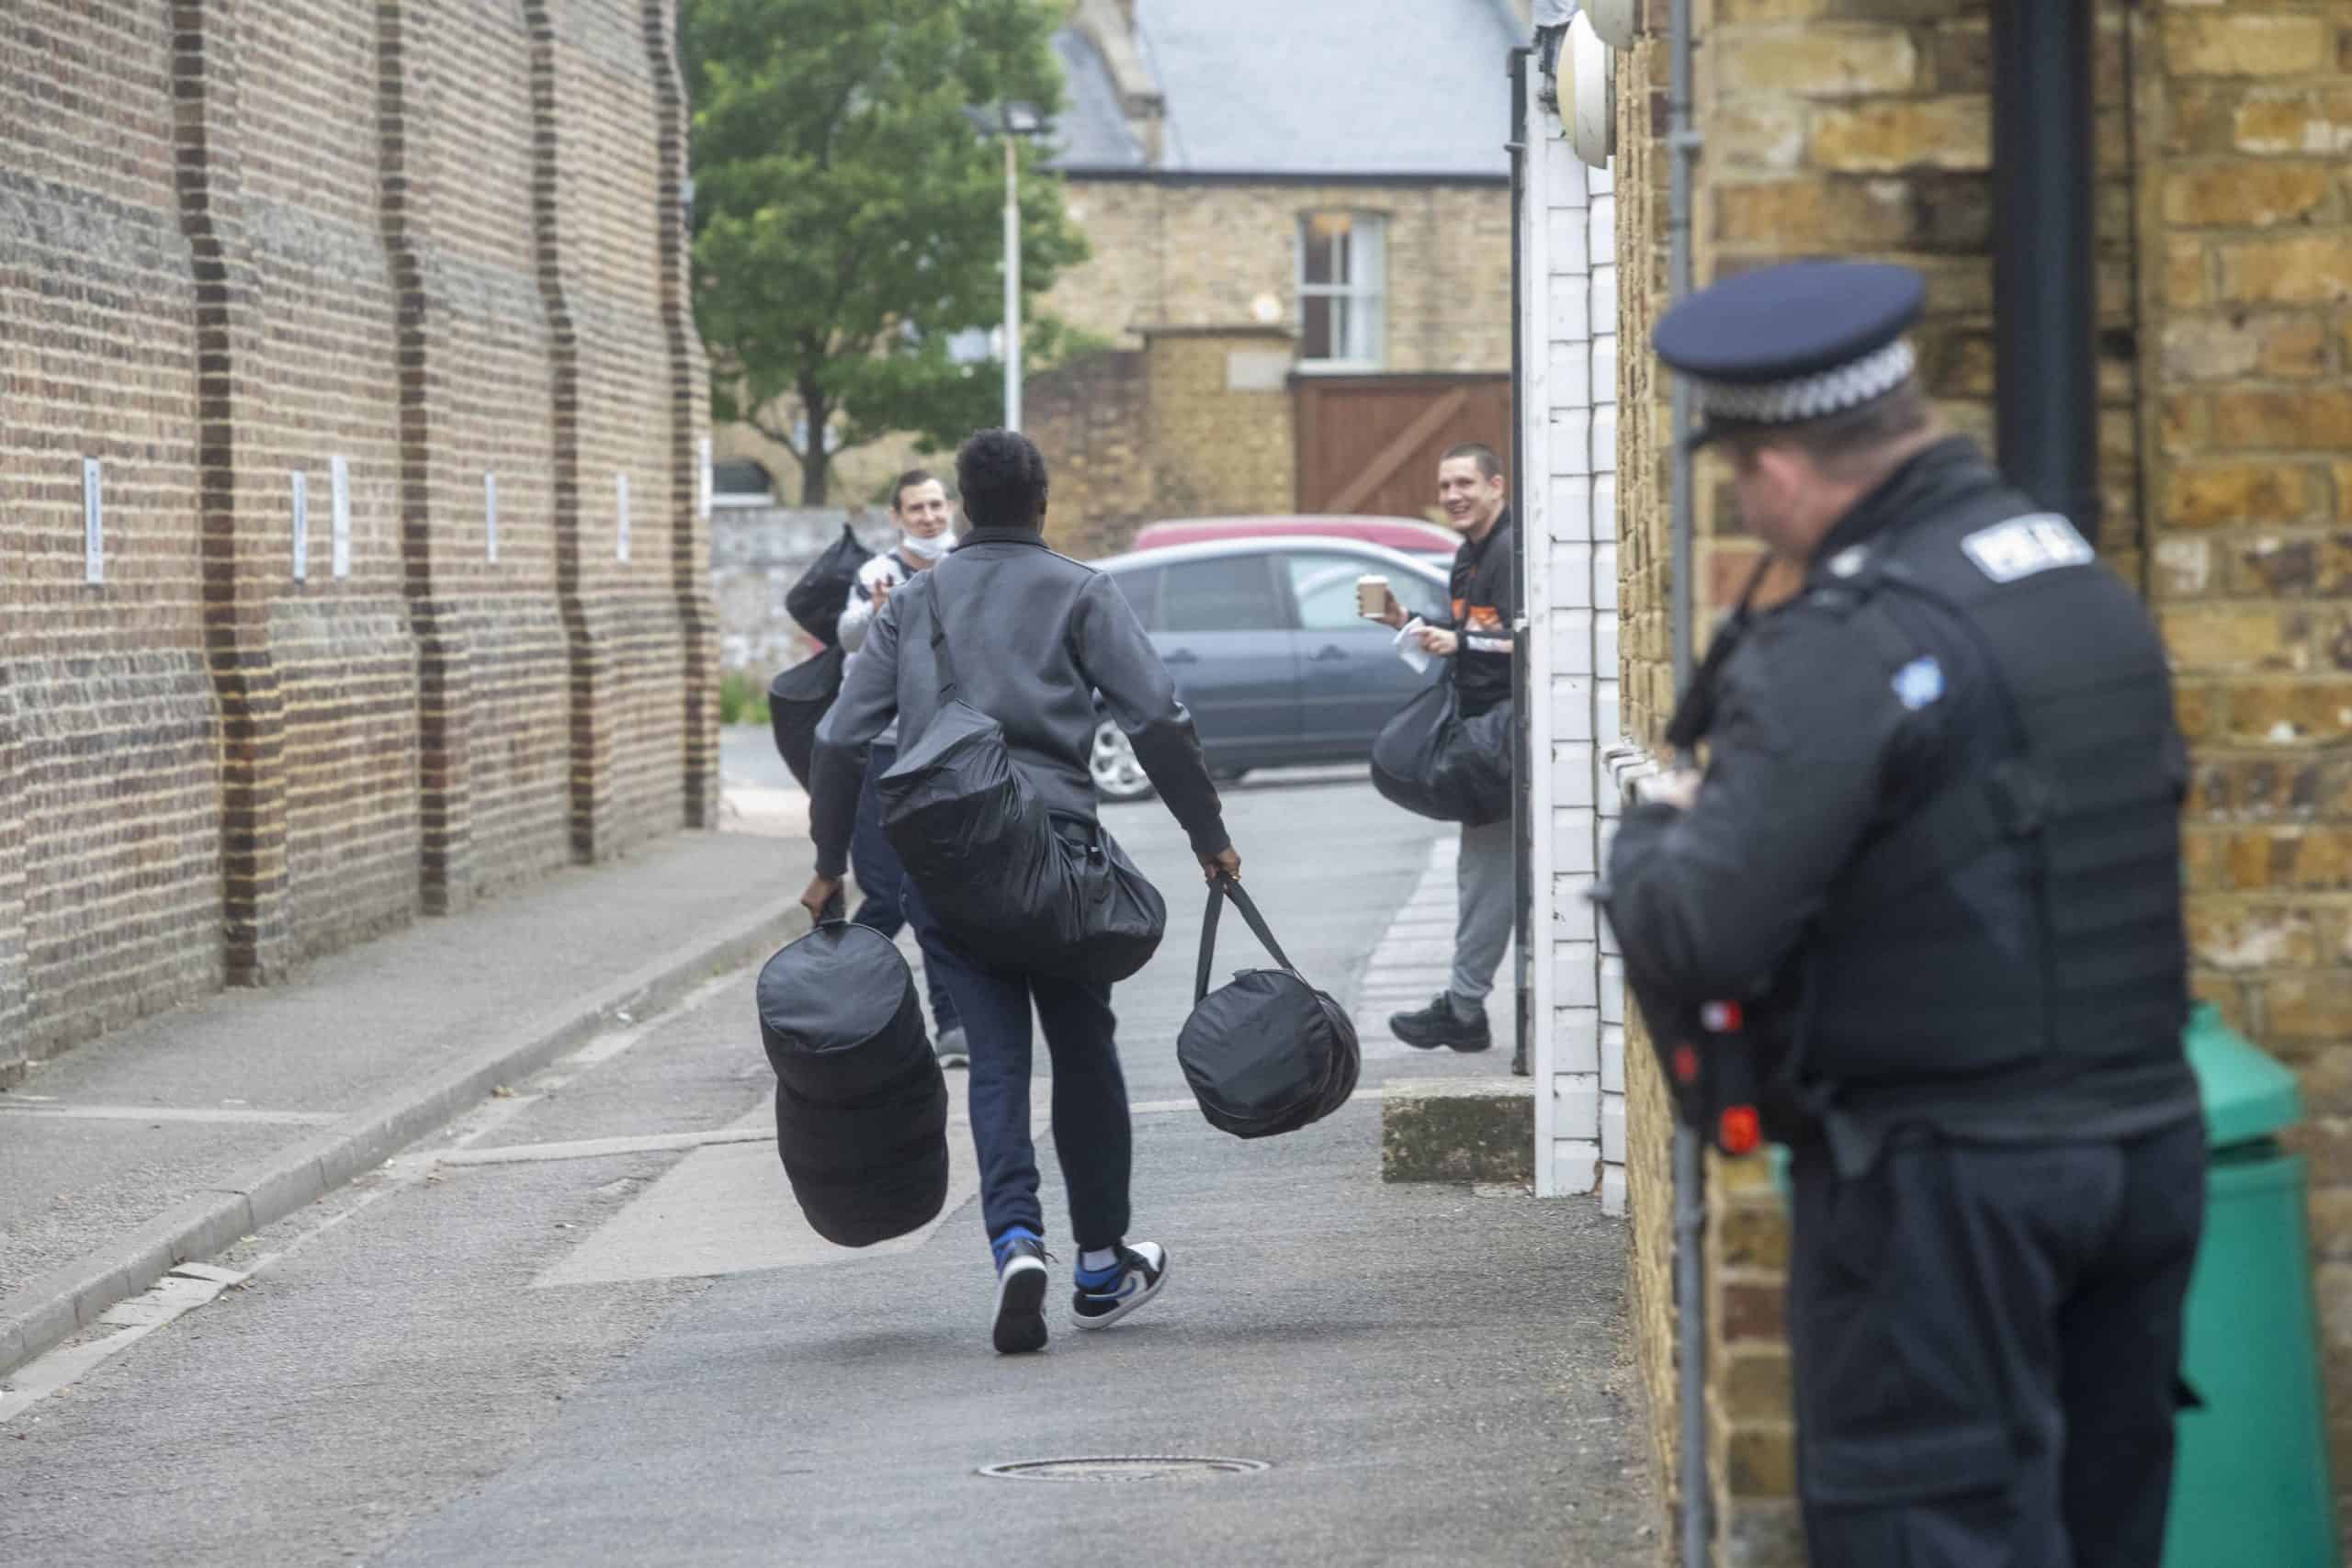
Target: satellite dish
point(1618, 22)
point(1591, 112)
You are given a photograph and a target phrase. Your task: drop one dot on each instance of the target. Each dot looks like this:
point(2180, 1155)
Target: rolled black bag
point(818, 599)
point(1435, 763)
point(797, 699)
point(1267, 1053)
point(861, 1104)
point(1010, 881)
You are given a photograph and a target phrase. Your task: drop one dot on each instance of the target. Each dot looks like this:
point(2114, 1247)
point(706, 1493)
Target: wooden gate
point(1370, 444)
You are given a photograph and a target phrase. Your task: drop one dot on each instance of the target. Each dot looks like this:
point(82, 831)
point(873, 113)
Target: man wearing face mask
point(926, 520)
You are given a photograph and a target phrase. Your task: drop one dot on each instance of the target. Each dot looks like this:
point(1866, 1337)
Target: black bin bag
point(1266, 1053)
point(861, 1108)
point(818, 599)
point(1433, 763)
point(797, 699)
point(1010, 880)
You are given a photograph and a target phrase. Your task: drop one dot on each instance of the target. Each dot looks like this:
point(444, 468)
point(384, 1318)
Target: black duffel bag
point(1010, 881)
point(1433, 763)
point(861, 1104)
point(817, 600)
point(797, 699)
point(1266, 1053)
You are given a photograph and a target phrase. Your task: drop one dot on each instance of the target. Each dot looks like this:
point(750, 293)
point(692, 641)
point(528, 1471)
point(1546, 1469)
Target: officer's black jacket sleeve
point(1706, 904)
point(1115, 653)
point(867, 702)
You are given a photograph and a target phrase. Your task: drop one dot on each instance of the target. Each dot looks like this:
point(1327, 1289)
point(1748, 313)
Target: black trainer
point(1020, 1293)
point(1443, 1024)
point(1142, 1269)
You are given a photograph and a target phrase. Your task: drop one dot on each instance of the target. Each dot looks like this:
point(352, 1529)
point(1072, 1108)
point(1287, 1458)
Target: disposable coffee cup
point(1372, 597)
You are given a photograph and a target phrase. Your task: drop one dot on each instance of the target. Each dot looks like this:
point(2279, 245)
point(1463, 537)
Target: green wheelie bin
point(2251, 1486)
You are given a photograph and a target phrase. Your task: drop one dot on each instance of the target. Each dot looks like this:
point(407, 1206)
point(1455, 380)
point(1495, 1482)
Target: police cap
point(1790, 344)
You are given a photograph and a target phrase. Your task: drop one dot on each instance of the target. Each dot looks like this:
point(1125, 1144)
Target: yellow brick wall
point(2224, 234)
point(1201, 253)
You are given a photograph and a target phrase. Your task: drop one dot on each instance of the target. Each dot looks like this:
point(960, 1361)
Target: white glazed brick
point(1602, 217)
point(1604, 644)
point(1572, 574)
point(1576, 1165)
point(1570, 238)
point(1571, 778)
point(1576, 976)
point(1573, 845)
point(1612, 991)
point(1604, 438)
point(1613, 1190)
point(1572, 707)
point(1572, 916)
point(1572, 642)
point(1571, 375)
point(1602, 180)
point(1604, 560)
point(1607, 720)
point(1571, 442)
point(1604, 298)
point(1613, 1128)
point(1571, 314)
point(1604, 364)
point(1576, 1040)
point(1612, 1058)
point(1567, 512)
point(1575, 1104)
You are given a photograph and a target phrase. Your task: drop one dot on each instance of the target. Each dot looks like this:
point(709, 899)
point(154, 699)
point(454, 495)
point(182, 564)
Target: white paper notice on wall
point(621, 501)
point(702, 481)
point(94, 522)
point(339, 481)
point(489, 517)
point(301, 490)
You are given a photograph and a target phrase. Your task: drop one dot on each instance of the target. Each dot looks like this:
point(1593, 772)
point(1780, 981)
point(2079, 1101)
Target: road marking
point(225, 1115)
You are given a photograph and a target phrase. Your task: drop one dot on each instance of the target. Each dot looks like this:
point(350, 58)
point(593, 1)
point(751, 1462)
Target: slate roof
point(1306, 87)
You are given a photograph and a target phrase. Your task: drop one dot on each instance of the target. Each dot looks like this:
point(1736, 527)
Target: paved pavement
point(584, 1323)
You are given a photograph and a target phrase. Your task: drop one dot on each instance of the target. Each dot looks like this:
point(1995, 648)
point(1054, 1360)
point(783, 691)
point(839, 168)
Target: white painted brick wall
point(1569, 443)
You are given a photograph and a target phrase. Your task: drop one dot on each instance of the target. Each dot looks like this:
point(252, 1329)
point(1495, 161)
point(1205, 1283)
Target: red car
point(1426, 540)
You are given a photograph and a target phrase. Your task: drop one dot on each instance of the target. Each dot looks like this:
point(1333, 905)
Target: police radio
point(1709, 1058)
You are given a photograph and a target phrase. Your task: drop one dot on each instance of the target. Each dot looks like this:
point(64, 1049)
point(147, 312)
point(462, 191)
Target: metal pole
point(1690, 1159)
point(1011, 281)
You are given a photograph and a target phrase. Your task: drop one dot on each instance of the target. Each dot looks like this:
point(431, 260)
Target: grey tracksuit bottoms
point(1485, 892)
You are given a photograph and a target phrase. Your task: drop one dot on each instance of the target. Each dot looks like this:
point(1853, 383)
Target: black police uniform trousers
point(1987, 1342)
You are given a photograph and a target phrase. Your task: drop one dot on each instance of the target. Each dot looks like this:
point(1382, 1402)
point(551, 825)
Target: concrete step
point(1458, 1130)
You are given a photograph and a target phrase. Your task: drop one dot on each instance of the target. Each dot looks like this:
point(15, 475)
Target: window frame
point(1371, 297)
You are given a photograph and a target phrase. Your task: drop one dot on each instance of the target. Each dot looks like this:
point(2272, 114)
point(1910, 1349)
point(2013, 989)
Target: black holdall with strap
point(797, 699)
point(1435, 763)
point(821, 593)
point(1266, 1053)
point(1012, 882)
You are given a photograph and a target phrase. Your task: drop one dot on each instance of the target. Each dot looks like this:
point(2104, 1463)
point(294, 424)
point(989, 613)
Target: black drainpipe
point(2044, 283)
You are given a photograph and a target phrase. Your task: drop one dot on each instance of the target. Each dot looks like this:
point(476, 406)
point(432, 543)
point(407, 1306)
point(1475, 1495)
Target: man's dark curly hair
point(1002, 476)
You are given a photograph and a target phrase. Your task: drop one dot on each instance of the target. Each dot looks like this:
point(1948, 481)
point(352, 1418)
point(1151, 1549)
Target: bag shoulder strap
point(940, 651)
point(1223, 888)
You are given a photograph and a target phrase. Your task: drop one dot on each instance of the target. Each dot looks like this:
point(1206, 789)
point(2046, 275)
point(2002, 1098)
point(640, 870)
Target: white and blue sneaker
point(1019, 1293)
point(1107, 1295)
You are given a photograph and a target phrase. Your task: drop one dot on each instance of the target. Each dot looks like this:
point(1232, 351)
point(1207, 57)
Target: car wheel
point(1229, 775)
point(1117, 774)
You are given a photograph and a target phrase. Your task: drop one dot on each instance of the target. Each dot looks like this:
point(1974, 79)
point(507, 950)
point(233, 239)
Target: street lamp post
point(1011, 121)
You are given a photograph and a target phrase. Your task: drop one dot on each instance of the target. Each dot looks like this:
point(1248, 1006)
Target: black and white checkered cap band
point(1850, 385)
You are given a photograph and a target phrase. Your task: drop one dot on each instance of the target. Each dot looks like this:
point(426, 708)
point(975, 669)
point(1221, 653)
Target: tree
point(848, 219)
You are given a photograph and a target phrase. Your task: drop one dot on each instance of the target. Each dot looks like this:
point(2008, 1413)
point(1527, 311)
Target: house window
point(1342, 271)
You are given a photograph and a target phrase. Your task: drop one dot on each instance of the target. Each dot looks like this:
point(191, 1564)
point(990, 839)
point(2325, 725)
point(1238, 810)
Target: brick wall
point(1088, 417)
point(2225, 268)
point(1175, 252)
point(239, 243)
point(110, 876)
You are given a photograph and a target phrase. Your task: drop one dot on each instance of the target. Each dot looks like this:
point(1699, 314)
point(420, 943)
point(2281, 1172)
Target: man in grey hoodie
point(1035, 636)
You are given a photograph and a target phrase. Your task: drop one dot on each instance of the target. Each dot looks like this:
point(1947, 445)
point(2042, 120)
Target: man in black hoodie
point(1035, 636)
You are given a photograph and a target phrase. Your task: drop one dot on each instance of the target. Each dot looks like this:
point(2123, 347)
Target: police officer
point(1935, 857)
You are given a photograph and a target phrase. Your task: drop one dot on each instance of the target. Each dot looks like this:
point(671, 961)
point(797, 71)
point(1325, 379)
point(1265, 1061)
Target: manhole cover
point(1124, 1467)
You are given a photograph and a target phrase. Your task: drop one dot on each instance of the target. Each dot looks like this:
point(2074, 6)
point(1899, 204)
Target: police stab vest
point(2027, 917)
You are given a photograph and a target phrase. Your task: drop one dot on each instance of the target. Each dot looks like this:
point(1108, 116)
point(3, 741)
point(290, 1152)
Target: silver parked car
point(1268, 651)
